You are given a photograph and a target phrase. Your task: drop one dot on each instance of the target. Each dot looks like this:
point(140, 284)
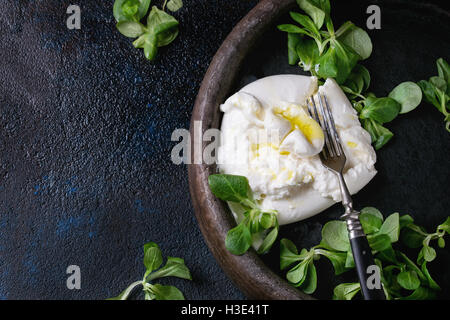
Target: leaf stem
point(130, 288)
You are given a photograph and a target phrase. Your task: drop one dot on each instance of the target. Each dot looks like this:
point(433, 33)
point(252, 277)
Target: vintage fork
point(333, 158)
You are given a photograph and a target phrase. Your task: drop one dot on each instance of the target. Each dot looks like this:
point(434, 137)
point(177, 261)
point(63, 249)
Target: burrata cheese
point(268, 136)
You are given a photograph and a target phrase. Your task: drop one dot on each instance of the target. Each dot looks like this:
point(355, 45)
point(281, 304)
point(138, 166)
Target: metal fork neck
point(345, 194)
point(351, 216)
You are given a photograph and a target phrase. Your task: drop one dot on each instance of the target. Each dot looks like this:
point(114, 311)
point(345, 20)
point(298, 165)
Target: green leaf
point(431, 283)
point(421, 293)
point(166, 292)
point(370, 223)
point(405, 220)
point(343, 28)
point(268, 240)
point(373, 211)
point(428, 253)
point(253, 223)
point(358, 80)
point(314, 10)
point(408, 94)
point(444, 72)
point(290, 28)
point(307, 23)
point(379, 242)
point(335, 235)
point(239, 239)
point(337, 62)
point(349, 261)
point(357, 39)
point(139, 42)
point(346, 291)
point(150, 46)
point(159, 20)
point(297, 275)
point(309, 285)
point(387, 255)
point(391, 227)
point(148, 295)
point(411, 237)
point(166, 37)
point(441, 243)
point(289, 253)
point(163, 26)
point(130, 29)
point(229, 187)
point(174, 267)
point(174, 5)
point(379, 134)
point(337, 259)
point(443, 69)
point(293, 40)
point(389, 279)
point(152, 256)
point(130, 10)
point(411, 265)
point(381, 110)
point(439, 83)
point(328, 64)
point(268, 220)
point(408, 280)
point(444, 226)
point(434, 92)
point(430, 94)
point(308, 52)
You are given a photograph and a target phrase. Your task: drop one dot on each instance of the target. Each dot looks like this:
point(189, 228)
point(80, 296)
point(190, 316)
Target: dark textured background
point(85, 126)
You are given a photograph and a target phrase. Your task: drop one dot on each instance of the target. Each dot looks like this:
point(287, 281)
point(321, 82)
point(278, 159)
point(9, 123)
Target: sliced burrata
point(268, 136)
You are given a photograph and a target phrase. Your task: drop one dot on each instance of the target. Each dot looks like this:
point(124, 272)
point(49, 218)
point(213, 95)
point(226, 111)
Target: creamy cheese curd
point(268, 136)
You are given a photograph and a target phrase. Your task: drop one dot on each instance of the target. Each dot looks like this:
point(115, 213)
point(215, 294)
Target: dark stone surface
point(85, 128)
point(85, 125)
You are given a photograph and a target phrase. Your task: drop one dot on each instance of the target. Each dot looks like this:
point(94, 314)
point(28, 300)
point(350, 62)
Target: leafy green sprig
point(374, 112)
point(326, 53)
point(160, 30)
point(256, 224)
point(153, 260)
point(401, 277)
point(437, 90)
point(318, 48)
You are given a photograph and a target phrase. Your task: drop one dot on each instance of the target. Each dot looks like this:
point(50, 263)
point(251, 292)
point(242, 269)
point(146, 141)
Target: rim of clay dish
point(248, 271)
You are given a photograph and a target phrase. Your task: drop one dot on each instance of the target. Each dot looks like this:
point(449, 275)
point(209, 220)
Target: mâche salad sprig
point(401, 277)
point(255, 223)
point(153, 260)
point(437, 90)
point(160, 30)
point(318, 48)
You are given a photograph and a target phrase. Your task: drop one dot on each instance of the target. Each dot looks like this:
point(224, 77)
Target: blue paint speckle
point(138, 205)
point(152, 128)
point(67, 224)
point(37, 188)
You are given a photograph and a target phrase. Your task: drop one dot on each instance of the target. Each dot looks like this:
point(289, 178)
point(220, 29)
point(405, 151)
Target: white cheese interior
point(281, 161)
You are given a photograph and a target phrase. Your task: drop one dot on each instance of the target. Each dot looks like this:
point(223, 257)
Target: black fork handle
point(365, 267)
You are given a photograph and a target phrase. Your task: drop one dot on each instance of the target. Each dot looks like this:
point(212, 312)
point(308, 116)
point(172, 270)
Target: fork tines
point(324, 117)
